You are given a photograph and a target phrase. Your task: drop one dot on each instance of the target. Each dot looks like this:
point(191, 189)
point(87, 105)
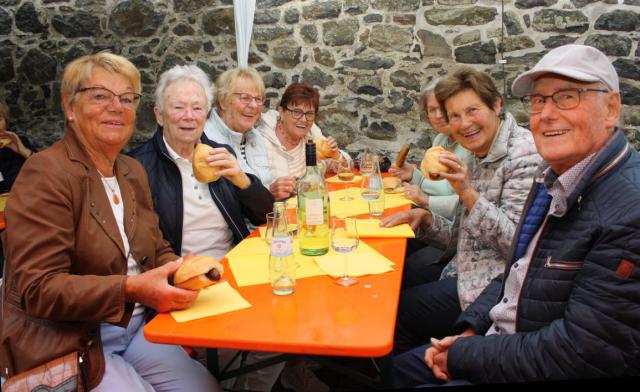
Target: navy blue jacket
point(166, 189)
point(578, 314)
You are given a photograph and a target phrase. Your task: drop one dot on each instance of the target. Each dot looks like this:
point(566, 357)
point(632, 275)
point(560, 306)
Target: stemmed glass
point(346, 175)
point(344, 243)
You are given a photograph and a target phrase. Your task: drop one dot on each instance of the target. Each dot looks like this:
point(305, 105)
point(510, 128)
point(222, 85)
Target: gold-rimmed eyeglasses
point(564, 99)
point(297, 114)
point(103, 96)
point(247, 98)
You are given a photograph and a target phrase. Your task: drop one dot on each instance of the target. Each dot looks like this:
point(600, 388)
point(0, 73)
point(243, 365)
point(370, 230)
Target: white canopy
point(243, 11)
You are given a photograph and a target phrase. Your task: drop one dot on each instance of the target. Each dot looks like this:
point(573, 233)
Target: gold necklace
point(116, 199)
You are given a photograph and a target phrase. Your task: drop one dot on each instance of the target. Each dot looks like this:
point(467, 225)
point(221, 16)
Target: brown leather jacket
point(65, 264)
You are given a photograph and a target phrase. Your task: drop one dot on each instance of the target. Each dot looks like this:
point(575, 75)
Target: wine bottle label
point(281, 246)
point(314, 212)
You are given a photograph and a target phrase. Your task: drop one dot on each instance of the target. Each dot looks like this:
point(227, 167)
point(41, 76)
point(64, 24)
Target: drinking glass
point(346, 175)
point(366, 162)
point(292, 221)
point(269, 229)
point(371, 186)
point(343, 243)
point(376, 206)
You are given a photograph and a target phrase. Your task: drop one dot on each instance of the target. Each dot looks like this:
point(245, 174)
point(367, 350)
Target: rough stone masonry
point(368, 58)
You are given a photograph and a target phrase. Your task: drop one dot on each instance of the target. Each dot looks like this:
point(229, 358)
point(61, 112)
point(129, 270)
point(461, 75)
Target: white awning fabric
point(243, 11)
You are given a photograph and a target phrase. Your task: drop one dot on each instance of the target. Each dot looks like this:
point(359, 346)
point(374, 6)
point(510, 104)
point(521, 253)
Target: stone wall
point(369, 58)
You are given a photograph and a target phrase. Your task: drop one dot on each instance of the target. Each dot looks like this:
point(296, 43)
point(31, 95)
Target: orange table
point(320, 318)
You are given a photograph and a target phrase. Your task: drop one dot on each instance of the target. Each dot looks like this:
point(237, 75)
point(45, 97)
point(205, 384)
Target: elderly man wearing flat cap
point(568, 304)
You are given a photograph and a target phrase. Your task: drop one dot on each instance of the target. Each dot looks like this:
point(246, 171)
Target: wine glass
point(346, 175)
point(344, 243)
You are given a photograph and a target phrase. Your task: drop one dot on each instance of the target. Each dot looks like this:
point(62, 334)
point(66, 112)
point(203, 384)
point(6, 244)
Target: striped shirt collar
point(560, 187)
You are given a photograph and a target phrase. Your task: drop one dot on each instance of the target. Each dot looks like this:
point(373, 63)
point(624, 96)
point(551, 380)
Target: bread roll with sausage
point(201, 168)
point(323, 151)
point(431, 166)
point(402, 155)
point(197, 272)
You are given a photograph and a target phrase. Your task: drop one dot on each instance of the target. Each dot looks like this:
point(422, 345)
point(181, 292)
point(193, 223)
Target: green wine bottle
point(313, 208)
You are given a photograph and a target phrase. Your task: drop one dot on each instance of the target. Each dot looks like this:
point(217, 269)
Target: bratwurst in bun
point(201, 168)
point(402, 155)
point(197, 272)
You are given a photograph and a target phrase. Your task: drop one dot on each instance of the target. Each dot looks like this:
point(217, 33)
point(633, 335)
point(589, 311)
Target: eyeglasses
point(102, 97)
point(297, 114)
point(247, 98)
point(564, 99)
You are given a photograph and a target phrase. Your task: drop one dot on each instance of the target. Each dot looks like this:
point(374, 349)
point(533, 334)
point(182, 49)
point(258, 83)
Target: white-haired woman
point(195, 217)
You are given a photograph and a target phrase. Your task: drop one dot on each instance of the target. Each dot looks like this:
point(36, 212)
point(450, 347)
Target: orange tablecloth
point(320, 318)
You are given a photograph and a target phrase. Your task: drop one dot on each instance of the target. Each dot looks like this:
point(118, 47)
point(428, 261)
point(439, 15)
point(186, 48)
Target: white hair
point(184, 72)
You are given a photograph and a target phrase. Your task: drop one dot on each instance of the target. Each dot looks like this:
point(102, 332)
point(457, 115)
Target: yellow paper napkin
point(364, 261)
point(249, 262)
point(342, 209)
point(358, 205)
point(336, 180)
point(395, 191)
point(395, 199)
point(370, 228)
point(217, 299)
point(250, 246)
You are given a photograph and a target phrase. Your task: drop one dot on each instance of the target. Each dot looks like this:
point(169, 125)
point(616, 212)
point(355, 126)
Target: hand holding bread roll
point(323, 151)
point(431, 166)
point(197, 272)
point(5, 141)
point(201, 168)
